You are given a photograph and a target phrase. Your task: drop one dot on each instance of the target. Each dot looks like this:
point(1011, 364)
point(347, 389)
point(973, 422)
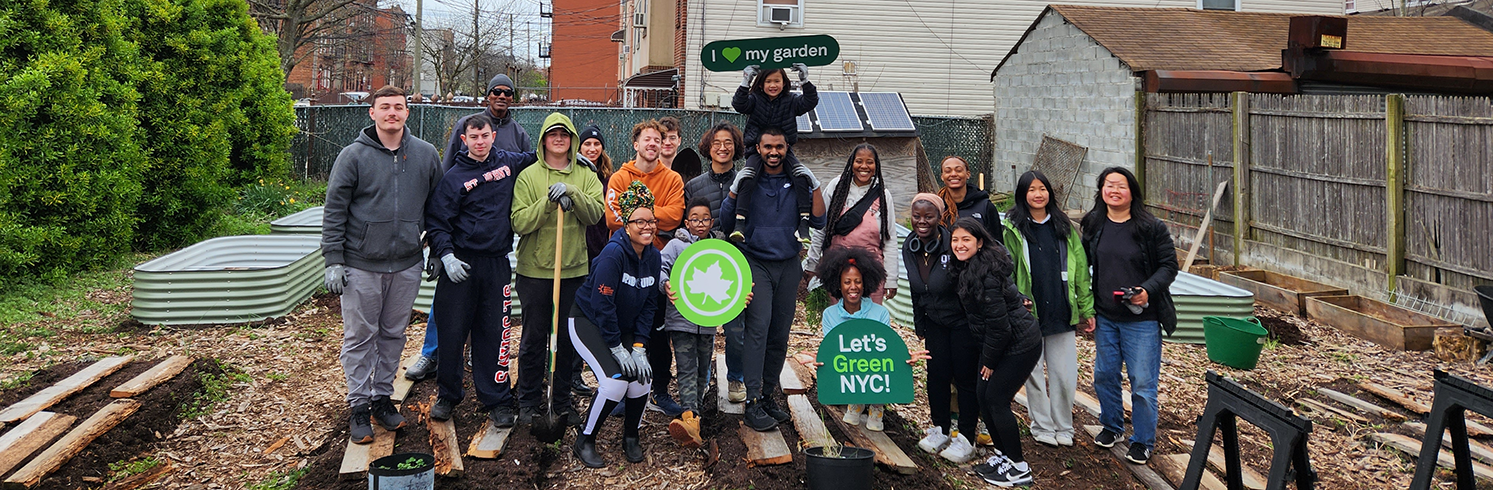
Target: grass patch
point(91, 299)
point(214, 390)
point(20, 380)
point(281, 480)
point(126, 469)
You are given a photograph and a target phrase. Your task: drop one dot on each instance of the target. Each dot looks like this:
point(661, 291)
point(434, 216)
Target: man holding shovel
point(468, 230)
point(564, 184)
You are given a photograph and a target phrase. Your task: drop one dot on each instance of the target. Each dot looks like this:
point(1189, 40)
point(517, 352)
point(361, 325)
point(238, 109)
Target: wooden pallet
point(162, 372)
point(63, 389)
point(764, 448)
point(887, 452)
point(26, 439)
point(488, 442)
point(722, 388)
point(72, 444)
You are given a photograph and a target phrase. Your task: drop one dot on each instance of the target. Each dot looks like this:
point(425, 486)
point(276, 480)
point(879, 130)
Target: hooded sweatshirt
point(619, 292)
point(977, 205)
point(1075, 266)
point(375, 207)
point(668, 197)
point(673, 320)
point(469, 209)
point(534, 214)
point(507, 136)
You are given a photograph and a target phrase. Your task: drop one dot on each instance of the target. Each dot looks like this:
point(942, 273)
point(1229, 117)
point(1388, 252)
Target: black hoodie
point(977, 205)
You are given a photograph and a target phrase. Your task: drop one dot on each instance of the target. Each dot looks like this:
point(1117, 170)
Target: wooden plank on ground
point(1144, 473)
point(764, 448)
point(356, 458)
point(445, 447)
point(73, 443)
point(1360, 405)
point(57, 392)
point(402, 385)
point(1396, 396)
point(887, 452)
point(35, 433)
point(1477, 449)
point(806, 372)
point(1412, 447)
point(722, 389)
point(162, 372)
point(1253, 480)
point(1087, 401)
point(806, 420)
point(1331, 410)
point(489, 441)
point(788, 379)
point(1174, 468)
point(136, 481)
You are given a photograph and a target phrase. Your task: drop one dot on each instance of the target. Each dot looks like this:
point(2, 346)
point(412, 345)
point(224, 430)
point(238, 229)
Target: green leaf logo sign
point(769, 52)
point(711, 279)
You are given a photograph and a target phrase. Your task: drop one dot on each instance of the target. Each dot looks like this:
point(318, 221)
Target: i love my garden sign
point(769, 52)
point(864, 362)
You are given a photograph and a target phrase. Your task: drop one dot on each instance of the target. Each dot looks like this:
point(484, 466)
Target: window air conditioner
point(780, 15)
point(640, 20)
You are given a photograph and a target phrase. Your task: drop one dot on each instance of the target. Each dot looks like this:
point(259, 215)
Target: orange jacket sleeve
point(615, 187)
point(668, 202)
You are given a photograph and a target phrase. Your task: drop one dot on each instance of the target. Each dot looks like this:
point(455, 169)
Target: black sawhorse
point(1454, 396)
point(1228, 401)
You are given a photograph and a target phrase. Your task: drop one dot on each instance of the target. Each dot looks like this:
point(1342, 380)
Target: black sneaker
point(774, 411)
point(1106, 438)
point(990, 466)
point(757, 418)
point(803, 228)
point(736, 233)
point(386, 414)
point(502, 416)
point(442, 409)
point(1138, 454)
point(570, 416)
point(526, 415)
point(580, 388)
point(1007, 475)
point(360, 424)
point(423, 369)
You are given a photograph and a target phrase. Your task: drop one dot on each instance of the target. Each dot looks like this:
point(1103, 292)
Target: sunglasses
point(501, 91)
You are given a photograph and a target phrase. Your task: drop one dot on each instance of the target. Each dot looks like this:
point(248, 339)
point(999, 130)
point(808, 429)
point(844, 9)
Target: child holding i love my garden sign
point(850, 274)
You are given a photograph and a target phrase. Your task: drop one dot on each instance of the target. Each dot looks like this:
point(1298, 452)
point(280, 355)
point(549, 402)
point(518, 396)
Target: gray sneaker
point(423, 369)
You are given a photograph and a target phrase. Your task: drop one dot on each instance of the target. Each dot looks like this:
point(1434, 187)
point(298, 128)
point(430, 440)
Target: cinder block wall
point(1062, 83)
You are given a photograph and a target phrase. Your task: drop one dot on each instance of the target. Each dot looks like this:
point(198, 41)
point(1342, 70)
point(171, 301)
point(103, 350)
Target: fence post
point(1241, 173)
point(1140, 137)
point(1394, 189)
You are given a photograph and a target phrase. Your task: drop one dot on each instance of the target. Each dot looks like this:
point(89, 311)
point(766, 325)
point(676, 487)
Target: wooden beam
point(764, 448)
point(887, 452)
point(806, 420)
point(73, 443)
point(722, 389)
point(356, 458)
point(788, 379)
point(162, 372)
point(1197, 239)
point(1145, 474)
point(1396, 396)
point(1443, 458)
point(1360, 405)
point(1087, 402)
point(35, 433)
point(489, 441)
point(1477, 449)
point(1140, 138)
point(1253, 480)
point(445, 447)
point(1174, 468)
point(1331, 410)
point(1394, 203)
point(136, 481)
point(1241, 174)
point(402, 385)
point(63, 389)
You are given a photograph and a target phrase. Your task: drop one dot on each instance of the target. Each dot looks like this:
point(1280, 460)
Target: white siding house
point(938, 54)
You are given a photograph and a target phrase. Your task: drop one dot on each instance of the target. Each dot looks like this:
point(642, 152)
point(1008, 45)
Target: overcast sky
point(526, 22)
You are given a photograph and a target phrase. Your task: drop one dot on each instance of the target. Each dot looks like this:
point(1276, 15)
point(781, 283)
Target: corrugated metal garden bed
point(307, 222)
point(1196, 297)
point(234, 279)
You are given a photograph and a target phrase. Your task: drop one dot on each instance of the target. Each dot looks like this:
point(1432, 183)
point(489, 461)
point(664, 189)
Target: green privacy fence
point(324, 130)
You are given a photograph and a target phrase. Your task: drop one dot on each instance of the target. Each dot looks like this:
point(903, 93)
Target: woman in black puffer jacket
point(1010, 342)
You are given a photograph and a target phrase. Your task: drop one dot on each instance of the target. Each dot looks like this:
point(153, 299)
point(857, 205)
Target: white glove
point(557, 190)
point(744, 174)
point(455, 268)
point(747, 75)
point(624, 361)
point(803, 72)
point(802, 171)
point(336, 278)
point(640, 359)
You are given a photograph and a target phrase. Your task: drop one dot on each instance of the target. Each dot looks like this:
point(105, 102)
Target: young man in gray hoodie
point(370, 240)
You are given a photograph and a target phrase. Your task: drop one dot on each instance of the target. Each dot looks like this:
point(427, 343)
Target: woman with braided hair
point(860, 215)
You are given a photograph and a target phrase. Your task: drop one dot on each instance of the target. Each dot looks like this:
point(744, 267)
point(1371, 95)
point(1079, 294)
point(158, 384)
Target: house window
point(1219, 4)
point(781, 13)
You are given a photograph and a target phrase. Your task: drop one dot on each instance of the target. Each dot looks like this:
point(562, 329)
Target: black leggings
point(996, 395)
point(612, 387)
point(955, 360)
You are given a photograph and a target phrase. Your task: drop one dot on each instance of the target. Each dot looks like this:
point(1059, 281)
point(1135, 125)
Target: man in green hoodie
point(565, 182)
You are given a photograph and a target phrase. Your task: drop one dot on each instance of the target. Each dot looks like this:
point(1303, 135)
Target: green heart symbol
point(731, 53)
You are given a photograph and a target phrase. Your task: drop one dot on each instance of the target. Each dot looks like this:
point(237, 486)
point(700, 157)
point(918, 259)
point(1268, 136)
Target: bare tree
point(468, 52)
point(301, 23)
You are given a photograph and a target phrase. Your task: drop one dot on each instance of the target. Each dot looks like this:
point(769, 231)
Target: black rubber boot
point(386, 414)
point(585, 450)
point(630, 446)
point(360, 424)
point(758, 419)
point(632, 449)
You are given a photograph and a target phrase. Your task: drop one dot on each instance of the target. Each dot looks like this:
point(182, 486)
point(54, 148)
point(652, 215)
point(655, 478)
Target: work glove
point(803, 171)
point(455, 268)
point(585, 162)
point(748, 74)
point(644, 370)
point(336, 278)
point(803, 72)
point(746, 173)
point(624, 361)
point(433, 268)
point(566, 203)
point(558, 190)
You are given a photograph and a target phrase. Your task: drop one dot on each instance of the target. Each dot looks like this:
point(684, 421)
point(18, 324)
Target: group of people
point(996, 302)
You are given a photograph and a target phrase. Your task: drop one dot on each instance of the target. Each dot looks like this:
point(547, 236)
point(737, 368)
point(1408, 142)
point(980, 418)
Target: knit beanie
point(590, 132)
point(501, 79)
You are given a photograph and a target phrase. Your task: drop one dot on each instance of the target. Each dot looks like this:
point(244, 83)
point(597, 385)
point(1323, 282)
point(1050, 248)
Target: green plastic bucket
point(1234, 342)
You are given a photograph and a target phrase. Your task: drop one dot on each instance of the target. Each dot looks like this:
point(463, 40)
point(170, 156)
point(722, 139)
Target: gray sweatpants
point(1050, 396)
point(376, 308)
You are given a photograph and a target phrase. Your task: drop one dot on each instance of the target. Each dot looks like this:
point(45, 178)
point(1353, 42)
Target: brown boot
point(686, 430)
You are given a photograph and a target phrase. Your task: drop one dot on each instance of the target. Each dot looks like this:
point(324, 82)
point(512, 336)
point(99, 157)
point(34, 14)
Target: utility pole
point(512, 58)
point(419, 34)
point(476, 50)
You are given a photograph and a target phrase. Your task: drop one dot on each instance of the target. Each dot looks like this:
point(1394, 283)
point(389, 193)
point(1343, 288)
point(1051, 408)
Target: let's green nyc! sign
point(864, 362)
point(769, 52)
point(711, 279)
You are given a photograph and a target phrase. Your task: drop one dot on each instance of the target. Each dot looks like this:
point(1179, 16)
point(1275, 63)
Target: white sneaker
point(959, 450)
point(1045, 438)
point(852, 414)
point(873, 418)
point(934, 440)
point(1064, 439)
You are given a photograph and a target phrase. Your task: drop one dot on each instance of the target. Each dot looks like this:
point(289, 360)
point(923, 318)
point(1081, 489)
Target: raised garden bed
point(1280, 291)
point(235, 279)
point(1196, 297)
point(1375, 321)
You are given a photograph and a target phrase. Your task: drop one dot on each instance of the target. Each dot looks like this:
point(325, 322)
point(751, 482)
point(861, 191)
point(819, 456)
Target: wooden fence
point(1397, 184)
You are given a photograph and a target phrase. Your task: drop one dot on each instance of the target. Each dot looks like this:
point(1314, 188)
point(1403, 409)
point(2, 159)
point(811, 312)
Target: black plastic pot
point(851, 470)
point(421, 477)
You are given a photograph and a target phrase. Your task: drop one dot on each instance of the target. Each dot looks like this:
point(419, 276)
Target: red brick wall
point(583, 59)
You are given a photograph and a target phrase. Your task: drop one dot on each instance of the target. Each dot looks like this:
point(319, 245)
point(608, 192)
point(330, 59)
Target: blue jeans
point(1138, 346)
point(428, 350)
point(733, 333)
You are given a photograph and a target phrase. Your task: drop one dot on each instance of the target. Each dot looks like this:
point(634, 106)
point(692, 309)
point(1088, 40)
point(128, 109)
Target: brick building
point(582, 57)
point(366, 53)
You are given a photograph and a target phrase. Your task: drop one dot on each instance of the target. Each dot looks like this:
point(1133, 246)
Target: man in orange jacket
point(666, 185)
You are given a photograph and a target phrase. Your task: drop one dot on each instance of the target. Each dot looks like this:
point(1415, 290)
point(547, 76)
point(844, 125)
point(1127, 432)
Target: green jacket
point(1080, 294)
point(534, 214)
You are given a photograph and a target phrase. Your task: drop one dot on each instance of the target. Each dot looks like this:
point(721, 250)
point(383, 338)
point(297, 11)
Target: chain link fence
point(324, 130)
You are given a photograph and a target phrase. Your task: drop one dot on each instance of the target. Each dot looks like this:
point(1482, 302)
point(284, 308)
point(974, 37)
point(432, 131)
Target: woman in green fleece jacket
point(1051, 268)
point(558, 180)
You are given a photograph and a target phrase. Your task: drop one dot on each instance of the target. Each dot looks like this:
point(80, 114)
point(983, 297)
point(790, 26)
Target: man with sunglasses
point(507, 136)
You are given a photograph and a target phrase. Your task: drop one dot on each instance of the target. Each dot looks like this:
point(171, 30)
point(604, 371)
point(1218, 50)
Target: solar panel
point(837, 113)
point(886, 112)
point(804, 126)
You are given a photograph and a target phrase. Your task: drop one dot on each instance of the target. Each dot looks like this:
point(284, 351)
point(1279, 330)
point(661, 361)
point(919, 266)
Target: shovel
point(551, 428)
